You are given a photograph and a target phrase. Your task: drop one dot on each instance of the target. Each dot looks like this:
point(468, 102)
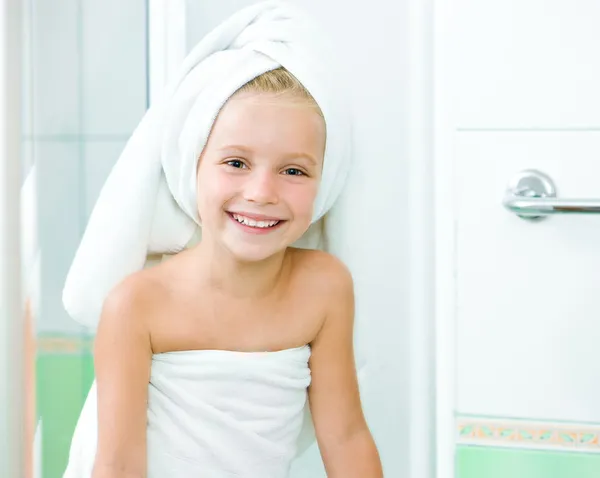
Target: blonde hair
point(281, 83)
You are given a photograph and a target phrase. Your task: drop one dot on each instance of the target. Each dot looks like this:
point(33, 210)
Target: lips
point(256, 224)
point(261, 223)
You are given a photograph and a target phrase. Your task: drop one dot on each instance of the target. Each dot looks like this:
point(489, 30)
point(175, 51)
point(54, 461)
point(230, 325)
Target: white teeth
point(252, 223)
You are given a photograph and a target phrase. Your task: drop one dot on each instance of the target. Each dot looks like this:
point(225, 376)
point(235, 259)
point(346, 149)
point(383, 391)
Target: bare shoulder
point(133, 301)
point(122, 363)
point(325, 272)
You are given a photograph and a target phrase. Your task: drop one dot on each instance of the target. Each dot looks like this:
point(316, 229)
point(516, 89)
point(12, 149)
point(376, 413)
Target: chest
point(213, 321)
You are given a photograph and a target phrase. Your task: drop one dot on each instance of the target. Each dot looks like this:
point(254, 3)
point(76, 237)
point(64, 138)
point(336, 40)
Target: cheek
point(302, 201)
point(213, 191)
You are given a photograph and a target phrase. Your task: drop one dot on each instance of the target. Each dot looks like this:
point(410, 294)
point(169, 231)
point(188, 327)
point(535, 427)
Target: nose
point(261, 188)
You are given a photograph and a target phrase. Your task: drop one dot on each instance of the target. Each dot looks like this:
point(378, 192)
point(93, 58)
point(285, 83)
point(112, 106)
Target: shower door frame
point(12, 330)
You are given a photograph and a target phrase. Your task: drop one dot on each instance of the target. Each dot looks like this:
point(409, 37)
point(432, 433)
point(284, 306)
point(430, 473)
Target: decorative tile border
point(528, 434)
point(64, 345)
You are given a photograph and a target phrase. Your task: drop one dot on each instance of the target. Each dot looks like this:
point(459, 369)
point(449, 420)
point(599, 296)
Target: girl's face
point(259, 174)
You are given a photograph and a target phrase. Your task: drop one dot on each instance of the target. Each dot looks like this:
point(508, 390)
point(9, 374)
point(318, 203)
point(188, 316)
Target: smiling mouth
point(264, 224)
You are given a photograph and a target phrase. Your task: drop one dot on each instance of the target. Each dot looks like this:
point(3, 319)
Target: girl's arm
point(122, 361)
point(346, 444)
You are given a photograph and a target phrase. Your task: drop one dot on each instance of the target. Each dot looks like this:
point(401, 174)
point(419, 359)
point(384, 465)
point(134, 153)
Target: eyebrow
point(245, 149)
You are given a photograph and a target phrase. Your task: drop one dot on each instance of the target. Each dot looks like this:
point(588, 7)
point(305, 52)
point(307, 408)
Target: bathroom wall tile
point(27, 71)
point(477, 462)
point(527, 328)
point(99, 158)
point(528, 434)
point(532, 64)
point(113, 66)
point(63, 381)
point(55, 63)
point(59, 209)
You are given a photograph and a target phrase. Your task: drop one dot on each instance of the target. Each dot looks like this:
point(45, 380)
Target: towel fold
point(148, 203)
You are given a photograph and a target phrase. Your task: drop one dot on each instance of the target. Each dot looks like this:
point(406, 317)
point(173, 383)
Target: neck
point(239, 279)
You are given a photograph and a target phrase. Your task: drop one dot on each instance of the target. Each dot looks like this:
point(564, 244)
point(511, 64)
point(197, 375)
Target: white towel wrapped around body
point(212, 413)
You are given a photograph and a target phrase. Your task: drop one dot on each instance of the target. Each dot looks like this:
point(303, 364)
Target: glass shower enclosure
point(83, 72)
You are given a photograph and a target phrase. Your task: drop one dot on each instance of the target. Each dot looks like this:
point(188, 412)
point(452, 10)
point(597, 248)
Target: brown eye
point(236, 163)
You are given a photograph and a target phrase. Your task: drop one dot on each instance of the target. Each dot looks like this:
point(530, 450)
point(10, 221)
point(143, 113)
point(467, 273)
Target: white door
point(518, 88)
point(376, 241)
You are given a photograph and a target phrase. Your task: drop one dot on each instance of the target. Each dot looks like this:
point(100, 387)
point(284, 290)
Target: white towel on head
point(148, 203)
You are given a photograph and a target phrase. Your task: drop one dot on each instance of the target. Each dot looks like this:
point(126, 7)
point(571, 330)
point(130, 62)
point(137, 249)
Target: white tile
point(527, 293)
point(55, 67)
point(114, 66)
point(99, 158)
point(27, 70)
point(59, 209)
point(526, 63)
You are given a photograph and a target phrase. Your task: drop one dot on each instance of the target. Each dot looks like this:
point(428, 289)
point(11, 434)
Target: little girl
point(204, 363)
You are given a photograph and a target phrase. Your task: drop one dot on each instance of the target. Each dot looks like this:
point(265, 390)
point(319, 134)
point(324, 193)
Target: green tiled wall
point(483, 462)
point(63, 381)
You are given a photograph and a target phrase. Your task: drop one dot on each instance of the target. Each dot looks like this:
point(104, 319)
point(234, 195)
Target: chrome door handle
point(531, 194)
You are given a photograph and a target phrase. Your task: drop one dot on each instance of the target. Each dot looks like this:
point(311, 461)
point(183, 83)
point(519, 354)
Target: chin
point(253, 252)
